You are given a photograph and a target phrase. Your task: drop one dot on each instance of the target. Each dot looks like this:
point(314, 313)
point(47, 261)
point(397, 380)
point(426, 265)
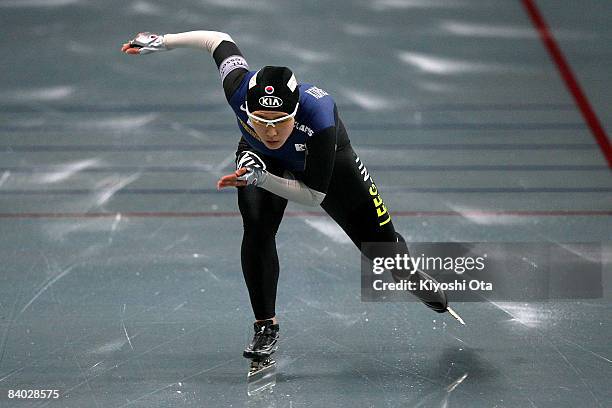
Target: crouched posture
point(293, 147)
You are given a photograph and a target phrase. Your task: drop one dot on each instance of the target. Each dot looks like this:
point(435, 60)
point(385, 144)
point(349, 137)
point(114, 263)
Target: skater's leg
point(354, 202)
point(261, 213)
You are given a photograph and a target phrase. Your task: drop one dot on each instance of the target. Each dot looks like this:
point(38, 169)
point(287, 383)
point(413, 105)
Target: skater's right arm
point(230, 61)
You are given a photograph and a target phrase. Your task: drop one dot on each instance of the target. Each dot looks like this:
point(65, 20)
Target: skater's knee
point(259, 230)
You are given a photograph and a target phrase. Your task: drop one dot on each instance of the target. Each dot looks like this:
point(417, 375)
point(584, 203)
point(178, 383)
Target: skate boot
point(435, 300)
point(261, 348)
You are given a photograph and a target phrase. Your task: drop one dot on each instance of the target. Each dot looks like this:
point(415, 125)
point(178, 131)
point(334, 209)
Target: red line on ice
point(570, 79)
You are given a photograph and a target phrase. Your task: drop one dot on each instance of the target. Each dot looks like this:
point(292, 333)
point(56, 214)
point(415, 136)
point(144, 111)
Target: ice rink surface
point(121, 283)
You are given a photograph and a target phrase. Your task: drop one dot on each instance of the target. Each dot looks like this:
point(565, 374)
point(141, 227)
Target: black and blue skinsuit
point(319, 153)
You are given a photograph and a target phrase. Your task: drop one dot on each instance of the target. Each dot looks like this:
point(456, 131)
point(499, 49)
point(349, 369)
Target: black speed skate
point(435, 300)
point(263, 345)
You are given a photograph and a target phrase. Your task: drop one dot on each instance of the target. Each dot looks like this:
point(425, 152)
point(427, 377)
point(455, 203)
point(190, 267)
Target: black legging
point(352, 201)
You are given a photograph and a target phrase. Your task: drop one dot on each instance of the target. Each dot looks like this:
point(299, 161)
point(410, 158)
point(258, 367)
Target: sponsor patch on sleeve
point(316, 92)
point(231, 63)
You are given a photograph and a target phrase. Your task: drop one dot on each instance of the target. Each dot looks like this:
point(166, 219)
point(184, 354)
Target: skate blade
point(262, 378)
point(455, 315)
point(261, 368)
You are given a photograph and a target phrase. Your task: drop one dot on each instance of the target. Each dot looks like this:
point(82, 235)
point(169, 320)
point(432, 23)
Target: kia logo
point(270, 101)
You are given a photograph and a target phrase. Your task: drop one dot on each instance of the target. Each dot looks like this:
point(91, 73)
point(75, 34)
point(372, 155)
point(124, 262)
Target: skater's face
point(273, 136)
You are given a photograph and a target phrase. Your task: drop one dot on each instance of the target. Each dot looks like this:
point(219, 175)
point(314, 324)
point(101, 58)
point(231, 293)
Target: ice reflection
point(107, 188)
point(360, 30)
point(303, 54)
point(483, 217)
point(65, 171)
point(5, 176)
point(382, 5)
point(146, 8)
point(37, 3)
point(487, 30)
point(51, 93)
point(329, 229)
point(263, 398)
point(450, 66)
point(368, 101)
point(255, 5)
point(118, 122)
point(466, 29)
point(523, 313)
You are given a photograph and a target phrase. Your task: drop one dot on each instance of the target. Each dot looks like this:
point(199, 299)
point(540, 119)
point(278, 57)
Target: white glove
point(254, 176)
point(147, 43)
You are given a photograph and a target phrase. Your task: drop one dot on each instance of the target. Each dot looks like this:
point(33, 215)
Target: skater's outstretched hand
point(144, 43)
point(232, 180)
